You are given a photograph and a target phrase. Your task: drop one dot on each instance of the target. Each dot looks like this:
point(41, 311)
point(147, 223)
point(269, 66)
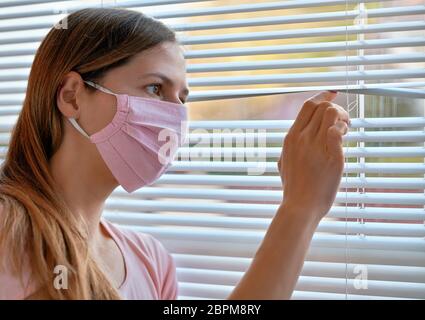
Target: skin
point(309, 190)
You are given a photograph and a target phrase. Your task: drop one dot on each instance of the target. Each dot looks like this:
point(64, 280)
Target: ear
point(70, 95)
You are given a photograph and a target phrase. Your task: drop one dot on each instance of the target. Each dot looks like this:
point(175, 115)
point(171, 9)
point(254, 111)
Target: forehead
point(165, 57)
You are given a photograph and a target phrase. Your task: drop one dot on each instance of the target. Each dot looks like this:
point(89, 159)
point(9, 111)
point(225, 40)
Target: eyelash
point(160, 87)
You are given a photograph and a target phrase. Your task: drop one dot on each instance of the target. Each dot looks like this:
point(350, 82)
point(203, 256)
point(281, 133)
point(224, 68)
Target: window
point(251, 64)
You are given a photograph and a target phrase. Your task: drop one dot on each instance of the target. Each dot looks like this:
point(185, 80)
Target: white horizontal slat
point(319, 254)
point(295, 78)
point(288, 63)
point(392, 122)
point(244, 138)
point(310, 268)
point(268, 64)
point(209, 291)
point(275, 181)
point(70, 9)
point(275, 195)
point(30, 49)
point(313, 17)
point(383, 89)
point(13, 3)
point(301, 18)
point(255, 237)
point(392, 89)
point(200, 138)
point(299, 33)
point(393, 74)
point(255, 209)
point(18, 75)
point(291, 48)
point(196, 153)
point(319, 284)
point(255, 7)
point(244, 223)
point(226, 153)
point(366, 256)
point(309, 295)
point(271, 167)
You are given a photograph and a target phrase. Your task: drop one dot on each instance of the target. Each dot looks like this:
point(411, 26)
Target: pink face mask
point(140, 142)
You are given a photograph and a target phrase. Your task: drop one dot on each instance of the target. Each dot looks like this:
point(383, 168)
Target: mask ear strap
point(99, 87)
point(77, 126)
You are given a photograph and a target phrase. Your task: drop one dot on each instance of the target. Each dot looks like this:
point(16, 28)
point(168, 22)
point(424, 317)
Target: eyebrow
point(166, 79)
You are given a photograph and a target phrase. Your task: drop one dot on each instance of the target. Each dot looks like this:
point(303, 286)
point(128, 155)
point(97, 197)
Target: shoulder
point(143, 241)
point(152, 252)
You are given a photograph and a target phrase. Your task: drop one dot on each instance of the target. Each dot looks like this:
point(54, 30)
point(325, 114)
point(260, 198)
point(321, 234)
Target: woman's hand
point(311, 167)
point(312, 161)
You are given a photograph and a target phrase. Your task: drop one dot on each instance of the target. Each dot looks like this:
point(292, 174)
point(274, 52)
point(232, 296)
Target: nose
point(176, 99)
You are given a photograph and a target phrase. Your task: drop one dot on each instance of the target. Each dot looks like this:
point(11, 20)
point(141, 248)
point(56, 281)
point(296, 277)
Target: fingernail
point(341, 126)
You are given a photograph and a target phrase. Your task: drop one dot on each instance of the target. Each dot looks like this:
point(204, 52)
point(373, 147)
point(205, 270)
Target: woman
point(89, 123)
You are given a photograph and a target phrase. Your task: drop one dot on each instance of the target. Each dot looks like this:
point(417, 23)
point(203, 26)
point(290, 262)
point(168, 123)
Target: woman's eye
point(156, 88)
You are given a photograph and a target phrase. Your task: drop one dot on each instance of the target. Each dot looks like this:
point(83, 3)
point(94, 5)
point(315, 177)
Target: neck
point(83, 180)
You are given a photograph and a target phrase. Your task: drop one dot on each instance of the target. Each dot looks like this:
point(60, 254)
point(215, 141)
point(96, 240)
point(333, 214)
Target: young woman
point(99, 95)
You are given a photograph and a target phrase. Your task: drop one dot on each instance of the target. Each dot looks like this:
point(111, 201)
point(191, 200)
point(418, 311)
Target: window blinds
point(211, 209)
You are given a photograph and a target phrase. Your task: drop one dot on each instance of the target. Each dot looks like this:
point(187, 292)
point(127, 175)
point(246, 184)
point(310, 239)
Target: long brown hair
point(36, 221)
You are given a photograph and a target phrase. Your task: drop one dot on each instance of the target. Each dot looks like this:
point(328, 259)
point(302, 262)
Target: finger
point(323, 96)
point(309, 107)
point(334, 140)
point(332, 115)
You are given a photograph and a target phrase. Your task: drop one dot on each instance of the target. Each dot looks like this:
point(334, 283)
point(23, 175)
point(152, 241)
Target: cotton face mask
point(140, 142)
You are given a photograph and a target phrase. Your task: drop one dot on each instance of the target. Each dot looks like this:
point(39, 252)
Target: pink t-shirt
point(150, 269)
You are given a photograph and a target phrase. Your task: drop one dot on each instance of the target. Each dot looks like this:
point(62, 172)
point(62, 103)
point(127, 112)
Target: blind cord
point(345, 158)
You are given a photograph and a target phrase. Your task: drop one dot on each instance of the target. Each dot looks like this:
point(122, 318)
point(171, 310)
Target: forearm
point(278, 261)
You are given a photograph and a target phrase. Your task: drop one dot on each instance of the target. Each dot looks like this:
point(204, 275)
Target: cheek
point(100, 113)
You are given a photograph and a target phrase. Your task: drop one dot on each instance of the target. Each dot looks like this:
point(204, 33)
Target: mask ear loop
point(74, 121)
point(99, 87)
point(77, 126)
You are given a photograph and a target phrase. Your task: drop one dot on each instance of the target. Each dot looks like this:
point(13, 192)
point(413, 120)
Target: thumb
point(323, 96)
